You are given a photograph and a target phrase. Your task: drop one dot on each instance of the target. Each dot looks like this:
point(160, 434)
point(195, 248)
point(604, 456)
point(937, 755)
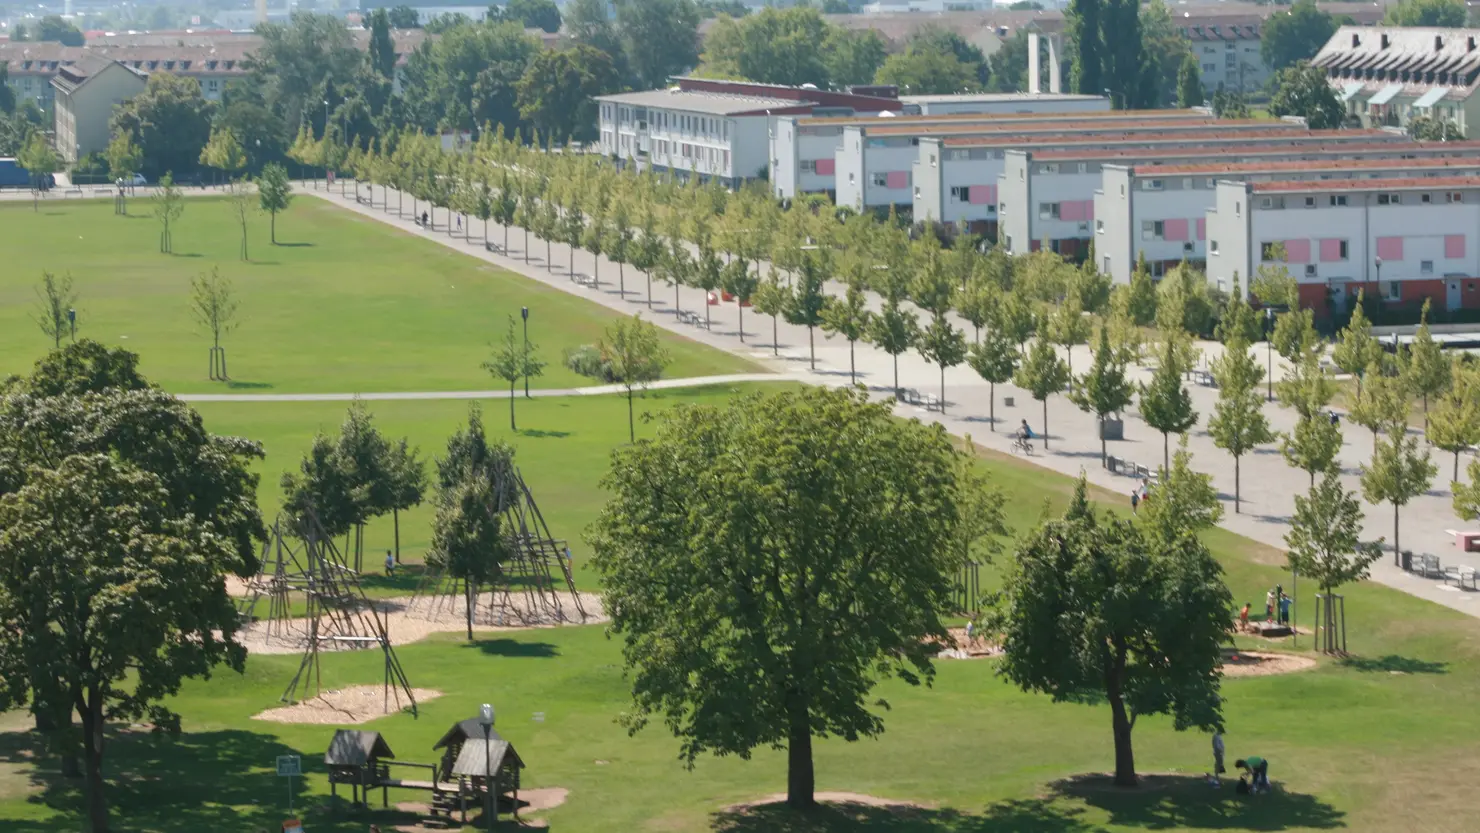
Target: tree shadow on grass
point(196, 781)
point(1029, 816)
point(1394, 663)
point(1186, 802)
point(282, 245)
point(241, 384)
point(537, 433)
point(514, 648)
point(406, 579)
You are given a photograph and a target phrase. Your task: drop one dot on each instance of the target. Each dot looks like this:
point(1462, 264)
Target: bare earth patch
point(406, 624)
point(1263, 663)
point(530, 801)
point(345, 706)
point(962, 648)
point(826, 797)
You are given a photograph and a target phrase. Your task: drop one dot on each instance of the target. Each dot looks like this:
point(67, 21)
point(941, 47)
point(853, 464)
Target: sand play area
point(1263, 663)
point(409, 620)
point(347, 706)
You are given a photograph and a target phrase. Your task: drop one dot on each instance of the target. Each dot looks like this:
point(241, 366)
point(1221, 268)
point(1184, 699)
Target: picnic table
point(1466, 540)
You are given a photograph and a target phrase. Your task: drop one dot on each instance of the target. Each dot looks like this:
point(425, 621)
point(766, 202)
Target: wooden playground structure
point(478, 769)
point(299, 562)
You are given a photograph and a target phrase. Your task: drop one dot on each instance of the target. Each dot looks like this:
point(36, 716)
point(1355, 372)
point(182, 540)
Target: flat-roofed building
point(961, 180)
point(804, 150)
point(1158, 210)
point(1401, 240)
point(1004, 103)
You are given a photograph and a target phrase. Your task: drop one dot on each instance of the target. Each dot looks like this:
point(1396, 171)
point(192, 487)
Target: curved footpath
point(592, 390)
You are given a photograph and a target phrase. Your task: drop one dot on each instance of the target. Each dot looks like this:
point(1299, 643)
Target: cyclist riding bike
point(1021, 439)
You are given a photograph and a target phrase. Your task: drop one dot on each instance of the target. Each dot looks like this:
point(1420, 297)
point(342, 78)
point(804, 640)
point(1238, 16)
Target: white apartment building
point(87, 93)
point(804, 150)
point(1227, 50)
point(1389, 75)
point(1004, 103)
point(958, 180)
point(1159, 210)
point(1401, 240)
point(711, 135)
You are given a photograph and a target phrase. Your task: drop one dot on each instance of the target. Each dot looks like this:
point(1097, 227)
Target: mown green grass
point(346, 305)
point(563, 449)
point(1380, 744)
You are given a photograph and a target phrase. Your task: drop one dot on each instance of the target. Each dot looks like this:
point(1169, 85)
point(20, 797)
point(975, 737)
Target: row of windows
point(1339, 200)
point(1403, 76)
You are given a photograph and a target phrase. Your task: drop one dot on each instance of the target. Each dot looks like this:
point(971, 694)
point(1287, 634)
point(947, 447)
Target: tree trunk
point(469, 599)
point(1125, 756)
point(1236, 493)
point(942, 390)
point(396, 521)
point(1456, 465)
point(775, 337)
point(1103, 451)
point(550, 258)
point(992, 405)
point(811, 348)
point(1045, 423)
point(740, 307)
point(800, 778)
point(675, 298)
point(1397, 550)
point(526, 246)
point(852, 365)
point(896, 374)
point(631, 425)
point(1166, 452)
point(92, 753)
point(512, 426)
point(622, 284)
point(649, 275)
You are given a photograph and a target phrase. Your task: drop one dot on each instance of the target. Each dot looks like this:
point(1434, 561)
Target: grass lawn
point(346, 304)
point(563, 449)
point(1378, 744)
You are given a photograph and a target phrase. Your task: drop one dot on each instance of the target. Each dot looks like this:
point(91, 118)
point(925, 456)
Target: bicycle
point(1022, 444)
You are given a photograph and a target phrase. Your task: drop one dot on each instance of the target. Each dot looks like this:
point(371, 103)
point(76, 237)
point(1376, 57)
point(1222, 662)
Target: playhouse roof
point(352, 747)
point(464, 730)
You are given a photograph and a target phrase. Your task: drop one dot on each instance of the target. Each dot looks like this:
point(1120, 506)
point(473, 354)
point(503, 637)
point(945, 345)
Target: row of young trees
point(1011, 319)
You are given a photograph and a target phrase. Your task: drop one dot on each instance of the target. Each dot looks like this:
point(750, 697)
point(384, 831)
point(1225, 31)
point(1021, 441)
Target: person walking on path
point(1218, 767)
point(1258, 768)
point(390, 564)
point(1135, 500)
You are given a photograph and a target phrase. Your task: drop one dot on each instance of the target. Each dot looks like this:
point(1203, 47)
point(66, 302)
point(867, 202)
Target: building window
point(1310, 202)
point(1099, 227)
point(1212, 247)
point(1151, 185)
point(1106, 268)
point(1389, 199)
point(1048, 168)
point(1152, 229)
point(850, 177)
point(1238, 209)
point(1267, 250)
point(1454, 196)
point(1425, 198)
point(1394, 292)
point(1310, 270)
point(1210, 67)
point(880, 180)
point(1426, 267)
point(959, 193)
point(1343, 251)
point(917, 192)
point(1048, 211)
point(1338, 199)
point(932, 160)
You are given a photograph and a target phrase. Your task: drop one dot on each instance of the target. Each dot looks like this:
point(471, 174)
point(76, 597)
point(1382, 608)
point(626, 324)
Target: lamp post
point(72, 321)
point(1378, 261)
point(524, 313)
point(1269, 353)
point(326, 144)
point(485, 716)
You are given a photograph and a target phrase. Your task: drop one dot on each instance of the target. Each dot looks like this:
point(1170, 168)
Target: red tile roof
point(1402, 183)
point(1333, 164)
point(1153, 136)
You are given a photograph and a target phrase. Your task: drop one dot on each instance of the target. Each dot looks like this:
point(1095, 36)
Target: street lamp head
point(72, 315)
point(485, 713)
point(524, 311)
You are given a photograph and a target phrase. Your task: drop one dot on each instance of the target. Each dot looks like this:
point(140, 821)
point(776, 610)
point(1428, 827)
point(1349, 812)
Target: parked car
point(138, 179)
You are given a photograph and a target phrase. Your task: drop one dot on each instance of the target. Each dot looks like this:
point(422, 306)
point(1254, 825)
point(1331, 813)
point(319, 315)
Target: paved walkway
point(1268, 483)
point(538, 393)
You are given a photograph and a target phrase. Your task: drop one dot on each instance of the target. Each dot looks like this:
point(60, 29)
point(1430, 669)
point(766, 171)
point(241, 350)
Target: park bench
point(1466, 540)
point(690, 317)
point(931, 402)
point(1461, 576)
point(1425, 565)
point(493, 247)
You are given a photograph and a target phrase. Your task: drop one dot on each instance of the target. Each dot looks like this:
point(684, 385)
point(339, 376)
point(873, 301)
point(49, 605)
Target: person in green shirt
point(1258, 768)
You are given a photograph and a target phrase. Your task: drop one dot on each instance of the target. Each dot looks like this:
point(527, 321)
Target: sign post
point(289, 766)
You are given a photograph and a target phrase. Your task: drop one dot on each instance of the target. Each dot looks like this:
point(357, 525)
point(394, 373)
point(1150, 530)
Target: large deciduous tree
point(1398, 472)
point(555, 92)
point(659, 37)
point(515, 358)
point(1103, 389)
point(1165, 403)
point(1042, 374)
point(275, 194)
point(836, 525)
point(1296, 35)
point(1302, 90)
point(170, 122)
point(1095, 610)
point(637, 357)
point(1238, 424)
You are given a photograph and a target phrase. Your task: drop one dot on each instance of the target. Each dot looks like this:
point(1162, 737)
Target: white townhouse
point(1402, 240)
point(1389, 75)
point(1158, 210)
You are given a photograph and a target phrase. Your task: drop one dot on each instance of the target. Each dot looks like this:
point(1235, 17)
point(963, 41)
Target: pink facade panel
point(1330, 249)
point(1174, 230)
point(1297, 251)
point(1072, 210)
point(1454, 246)
point(1390, 248)
point(1202, 228)
point(827, 167)
point(982, 195)
point(897, 179)
point(1089, 209)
